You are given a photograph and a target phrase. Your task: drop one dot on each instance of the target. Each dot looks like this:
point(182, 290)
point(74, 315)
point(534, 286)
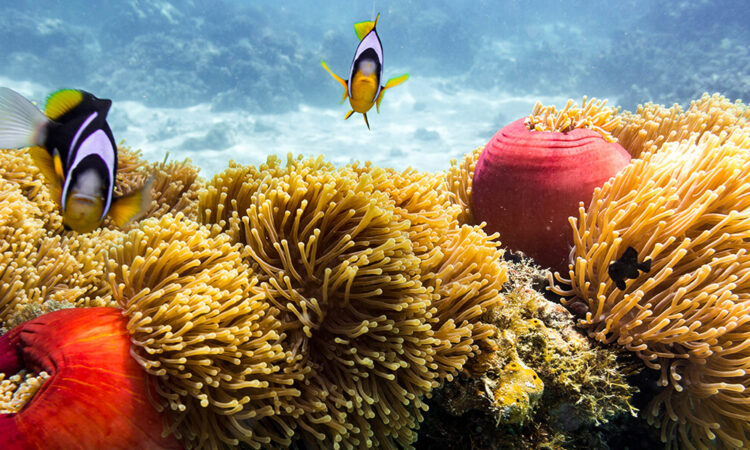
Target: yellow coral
point(175, 189)
point(517, 389)
point(686, 207)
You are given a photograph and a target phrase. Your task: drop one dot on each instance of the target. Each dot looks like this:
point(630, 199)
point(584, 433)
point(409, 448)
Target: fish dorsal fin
point(61, 102)
point(362, 28)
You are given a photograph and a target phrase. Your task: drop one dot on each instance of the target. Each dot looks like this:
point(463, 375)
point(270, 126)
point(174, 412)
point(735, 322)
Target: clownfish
point(627, 267)
point(363, 86)
point(73, 147)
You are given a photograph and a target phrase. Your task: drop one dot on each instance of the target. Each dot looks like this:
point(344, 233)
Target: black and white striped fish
point(72, 145)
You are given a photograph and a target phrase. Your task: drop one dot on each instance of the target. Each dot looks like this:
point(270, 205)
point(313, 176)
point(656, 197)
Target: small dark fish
point(627, 267)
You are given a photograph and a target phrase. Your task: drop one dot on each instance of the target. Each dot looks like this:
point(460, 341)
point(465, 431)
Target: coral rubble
point(543, 385)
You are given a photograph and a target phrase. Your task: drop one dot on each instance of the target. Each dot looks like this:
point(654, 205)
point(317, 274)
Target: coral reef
point(544, 385)
point(93, 394)
point(528, 182)
point(685, 206)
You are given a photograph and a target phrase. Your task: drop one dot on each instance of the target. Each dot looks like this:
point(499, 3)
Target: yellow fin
point(362, 28)
point(366, 122)
point(338, 78)
point(349, 114)
point(131, 206)
point(57, 163)
point(61, 102)
point(395, 81)
point(44, 161)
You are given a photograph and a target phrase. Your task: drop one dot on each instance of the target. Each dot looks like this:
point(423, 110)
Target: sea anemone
point(91, 393)
point(653, 125)
point(533, 173)
point(459, 180)
point(205, 332)
point(338, 264)
point(686, 207)
point(379, 290)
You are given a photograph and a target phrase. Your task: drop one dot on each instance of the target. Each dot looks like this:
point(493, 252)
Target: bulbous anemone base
point(527, 183)
point(96, 394)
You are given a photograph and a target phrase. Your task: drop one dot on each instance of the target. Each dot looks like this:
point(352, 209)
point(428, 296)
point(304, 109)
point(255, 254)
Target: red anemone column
point(96, 394)
point(527, 183)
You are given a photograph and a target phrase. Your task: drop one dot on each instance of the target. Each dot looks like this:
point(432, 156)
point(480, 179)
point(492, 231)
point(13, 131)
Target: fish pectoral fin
point(362, 28)
point(338, 78)
point(46, 165)
point(395, 81)
point(366, 122)
point(131, 206)
point(349, 114)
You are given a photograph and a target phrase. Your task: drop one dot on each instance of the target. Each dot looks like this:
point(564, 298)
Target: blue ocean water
point(217, 80)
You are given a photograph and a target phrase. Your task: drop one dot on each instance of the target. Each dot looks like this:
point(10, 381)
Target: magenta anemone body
point(527, 183)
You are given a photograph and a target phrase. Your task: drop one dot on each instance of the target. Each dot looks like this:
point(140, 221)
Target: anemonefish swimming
point(627, 267)
point(363, 86)
point(72, 145)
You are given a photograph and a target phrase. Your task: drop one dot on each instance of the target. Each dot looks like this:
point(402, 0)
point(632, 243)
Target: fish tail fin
point(133, 205)
point(366, 122)
point(395, 81)
point(338, 78)
point(362, 28)
point(645, 266)
point(21, 123)
point(349, 114)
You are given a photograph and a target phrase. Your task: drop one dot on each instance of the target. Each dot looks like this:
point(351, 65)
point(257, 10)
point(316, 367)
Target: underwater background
point(218, 80)
point(405, 312)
